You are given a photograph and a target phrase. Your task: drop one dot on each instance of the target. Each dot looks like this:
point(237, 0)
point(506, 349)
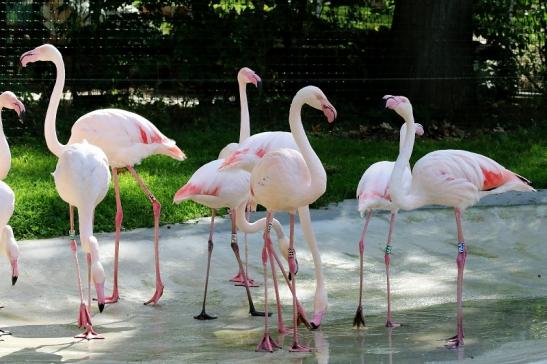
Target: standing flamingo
point(373, 194)
point(248, 155)
point(8, 245)
point(126, 139)
point(81, 178)
point(455, 178)
point(287, 180)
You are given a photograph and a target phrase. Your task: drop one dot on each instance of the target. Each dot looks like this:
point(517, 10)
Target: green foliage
point(40, 212)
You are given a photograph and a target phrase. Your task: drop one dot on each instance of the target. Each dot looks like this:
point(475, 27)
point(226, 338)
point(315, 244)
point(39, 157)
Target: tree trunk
point(432, 53)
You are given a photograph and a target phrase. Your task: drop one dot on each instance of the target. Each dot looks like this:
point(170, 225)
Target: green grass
point(41, 213)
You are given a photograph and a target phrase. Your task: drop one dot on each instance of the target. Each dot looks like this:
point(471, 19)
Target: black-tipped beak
point(14, 280)
point(22, 117)
point(101, 307)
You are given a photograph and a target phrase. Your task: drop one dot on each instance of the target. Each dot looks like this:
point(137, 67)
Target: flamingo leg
point(88, 259)
point(84, 318)
point(387, 260)
point(203, 315)
point(238, 278)
point(296, 346)
point(235, 248)
point(156, 207)
point(267, 343)
point(280, 324)
point(457, 340)
point(118, 222)
point(359, 319)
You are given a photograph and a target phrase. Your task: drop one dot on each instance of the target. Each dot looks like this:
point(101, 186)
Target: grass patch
point(41, 213)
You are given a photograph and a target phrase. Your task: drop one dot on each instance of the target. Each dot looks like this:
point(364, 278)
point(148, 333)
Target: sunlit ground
point(504, 294)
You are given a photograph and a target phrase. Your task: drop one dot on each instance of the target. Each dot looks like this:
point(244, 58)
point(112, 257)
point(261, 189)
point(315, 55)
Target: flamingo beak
point(99, 287)
point(23, 59)
point(14, 271)
point(20, 110)
point(330, 112)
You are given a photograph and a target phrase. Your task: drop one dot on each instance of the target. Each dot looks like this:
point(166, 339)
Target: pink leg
point(280, 324)
point(387, 260)
point(457, 340)
point(242, 275)
point(235, 248)
point(301, 313)
point(156, 207)
point(359, 319)
point(84, 319)
point(203, 315)
point(88, 259)
point(267, 343)
point(296, 346)
point(118, 222)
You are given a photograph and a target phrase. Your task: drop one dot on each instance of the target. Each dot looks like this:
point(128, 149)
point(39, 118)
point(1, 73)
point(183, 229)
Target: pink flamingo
point(455, 178)
point(248, 155)
point(8, 245)
point(287, 180)
point(373, 194)
point(81, 178)
point(126, 139)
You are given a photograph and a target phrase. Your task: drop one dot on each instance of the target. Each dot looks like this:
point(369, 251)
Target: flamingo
point(454, 178)
point(82, 177)
point(373, 194)
point(286, 180)
point(246, 157)
point(8, 245)
point(126, 138)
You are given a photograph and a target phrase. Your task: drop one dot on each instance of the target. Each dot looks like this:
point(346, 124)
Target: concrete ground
point(504, 293)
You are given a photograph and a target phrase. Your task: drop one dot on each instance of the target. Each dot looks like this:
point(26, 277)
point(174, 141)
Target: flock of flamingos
point(278, 170)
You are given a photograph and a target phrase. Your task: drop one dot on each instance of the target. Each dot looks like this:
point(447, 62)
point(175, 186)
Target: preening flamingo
point(8, 245)
point(373, 194)
point(126, 139)
point(454, 178)
point(248, 155)
point(81, 178)
point(286, 180)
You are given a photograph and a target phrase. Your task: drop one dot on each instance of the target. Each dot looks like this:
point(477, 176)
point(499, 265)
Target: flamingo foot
point(204, 316)
point(112, 299)
point(267, 343)
point(359, 319)
point(239, 280)
point(4, 332)
point(454, 342)
point(84, 318)
point(89, 334)
point(254, 312)
point(316, 321)
point(157, 295)
point(392, 324)
point(299, 348)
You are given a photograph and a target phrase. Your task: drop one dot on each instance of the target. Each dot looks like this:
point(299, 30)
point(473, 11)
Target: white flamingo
point(287, 180)
point(455, 178)
point(126, 139)
point(81, 178)
point(373, 194)
point(8, 244)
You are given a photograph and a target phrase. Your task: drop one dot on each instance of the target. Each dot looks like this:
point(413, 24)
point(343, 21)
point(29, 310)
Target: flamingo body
point(125, 137)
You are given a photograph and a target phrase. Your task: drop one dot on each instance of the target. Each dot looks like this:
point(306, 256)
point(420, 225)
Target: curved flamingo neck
point(5, 155)
point(400, 194)
point(317, 172)
point(50, 131)
point(245, 126)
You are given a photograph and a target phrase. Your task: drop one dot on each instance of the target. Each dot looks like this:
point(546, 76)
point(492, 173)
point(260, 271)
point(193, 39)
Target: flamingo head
point(314, 97)
point(45, 52)
point(243, 158)
point(400, 104)
point(10, 101)
point(419, 129)
point(11, 250)
point(247, 75)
